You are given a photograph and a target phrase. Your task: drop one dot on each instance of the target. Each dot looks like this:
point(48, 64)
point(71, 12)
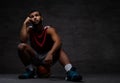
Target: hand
point(27, 21)
point(48, 59)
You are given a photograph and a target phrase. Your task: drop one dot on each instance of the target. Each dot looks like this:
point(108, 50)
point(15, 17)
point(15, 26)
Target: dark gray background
point(89, 30)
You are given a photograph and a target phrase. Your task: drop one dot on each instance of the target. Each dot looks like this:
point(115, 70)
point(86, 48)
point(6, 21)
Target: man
point(41, 45)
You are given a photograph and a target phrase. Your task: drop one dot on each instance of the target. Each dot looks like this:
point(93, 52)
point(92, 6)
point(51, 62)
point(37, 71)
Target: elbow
point(23, 40)
point(60, 43)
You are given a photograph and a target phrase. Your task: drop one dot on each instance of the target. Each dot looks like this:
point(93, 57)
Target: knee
point(21, 46)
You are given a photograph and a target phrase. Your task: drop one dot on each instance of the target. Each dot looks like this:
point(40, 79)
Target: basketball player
point(41, 45)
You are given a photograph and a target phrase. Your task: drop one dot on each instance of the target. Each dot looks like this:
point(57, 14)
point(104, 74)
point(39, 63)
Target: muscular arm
point(24, 31)
point(57, 41)
point(24, 34)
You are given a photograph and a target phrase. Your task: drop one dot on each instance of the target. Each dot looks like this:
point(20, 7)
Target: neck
point(38, 27)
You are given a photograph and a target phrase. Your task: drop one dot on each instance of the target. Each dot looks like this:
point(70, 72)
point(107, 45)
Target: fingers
point(48, 62)
point(48, 59)
point(27, 20)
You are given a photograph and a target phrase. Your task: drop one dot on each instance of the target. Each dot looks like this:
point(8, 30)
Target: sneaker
point(28, 74)
point(73, 75)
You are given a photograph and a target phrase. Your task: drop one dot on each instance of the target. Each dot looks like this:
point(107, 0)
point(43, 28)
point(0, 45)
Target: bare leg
point(64, 58)
point(25, 53)
point(72, 74)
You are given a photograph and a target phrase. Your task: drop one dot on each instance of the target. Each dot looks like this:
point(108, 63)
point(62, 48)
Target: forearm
point(24, 30)
point(23, 34)
point(55, 47)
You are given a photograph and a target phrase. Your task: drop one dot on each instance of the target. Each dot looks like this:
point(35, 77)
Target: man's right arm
point(24, 34)
point(24, 31)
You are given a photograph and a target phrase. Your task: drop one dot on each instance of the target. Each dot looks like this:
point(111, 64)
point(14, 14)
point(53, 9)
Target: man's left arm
point(56, 38)
point(57, 44)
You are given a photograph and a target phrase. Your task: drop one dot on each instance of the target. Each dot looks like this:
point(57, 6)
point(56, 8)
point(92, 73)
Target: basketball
point(43, 71)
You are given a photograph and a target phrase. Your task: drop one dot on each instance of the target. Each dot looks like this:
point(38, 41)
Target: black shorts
point(39, 58)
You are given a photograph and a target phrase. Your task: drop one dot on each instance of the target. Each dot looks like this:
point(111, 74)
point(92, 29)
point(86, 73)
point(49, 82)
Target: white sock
point(68, 67)
point(30, 67)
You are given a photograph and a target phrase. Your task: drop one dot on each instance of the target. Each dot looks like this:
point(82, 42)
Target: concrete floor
point(89, 78)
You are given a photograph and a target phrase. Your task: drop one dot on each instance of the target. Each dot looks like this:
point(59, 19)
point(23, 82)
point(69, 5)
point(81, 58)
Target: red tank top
point(41, 42)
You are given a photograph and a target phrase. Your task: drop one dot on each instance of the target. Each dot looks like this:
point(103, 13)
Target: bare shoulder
point(51, 29)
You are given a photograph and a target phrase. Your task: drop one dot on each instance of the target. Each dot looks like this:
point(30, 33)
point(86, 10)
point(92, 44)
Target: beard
point(36, 22)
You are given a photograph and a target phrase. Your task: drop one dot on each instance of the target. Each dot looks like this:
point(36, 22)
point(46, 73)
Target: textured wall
point(89, 31)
